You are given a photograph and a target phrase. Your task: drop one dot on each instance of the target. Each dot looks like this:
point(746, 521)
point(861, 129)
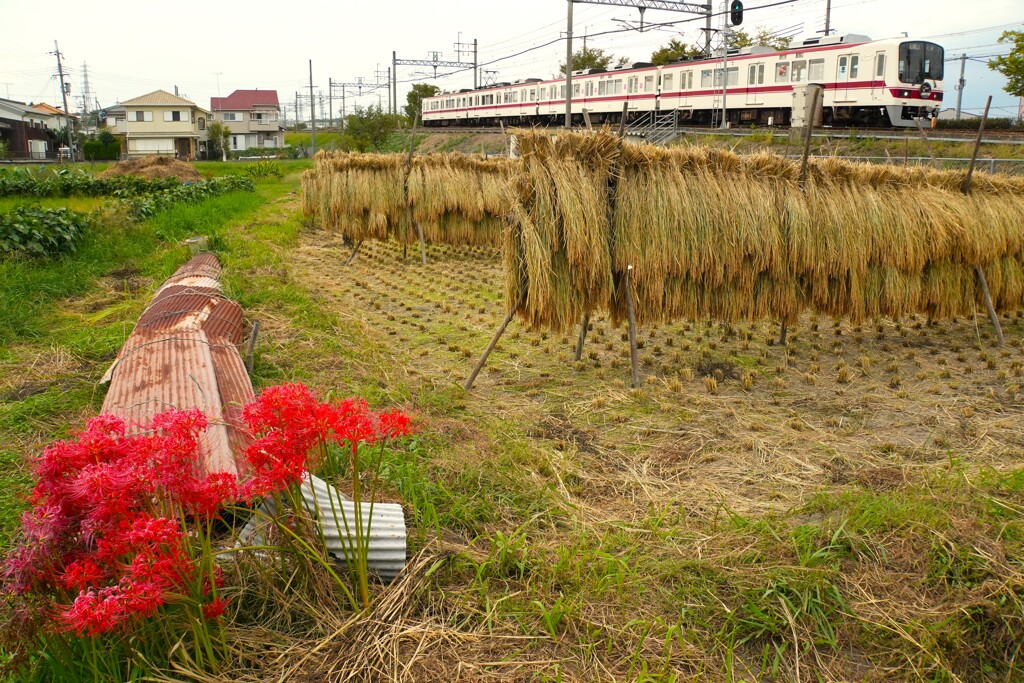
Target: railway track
point(939, 135)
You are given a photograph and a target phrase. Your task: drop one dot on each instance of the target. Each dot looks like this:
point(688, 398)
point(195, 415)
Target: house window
point(143, 116)
point(234, 142)
point(172, 116)
point(202, 123)
point(230, 116)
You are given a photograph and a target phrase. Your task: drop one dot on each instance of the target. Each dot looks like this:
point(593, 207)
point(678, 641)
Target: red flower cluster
point(291, 422)
point(106, 538)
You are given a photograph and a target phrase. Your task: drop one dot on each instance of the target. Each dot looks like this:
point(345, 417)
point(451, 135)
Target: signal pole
point(64, 95)
point(568, 70)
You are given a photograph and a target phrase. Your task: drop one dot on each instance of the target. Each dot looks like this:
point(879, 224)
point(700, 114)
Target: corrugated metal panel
point(183, 354)
point(387, 532)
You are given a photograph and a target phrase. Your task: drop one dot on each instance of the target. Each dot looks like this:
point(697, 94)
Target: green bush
point(971, 123)
point(94, 150)
point(269, 152)
point(66, 183)
point(40, 232)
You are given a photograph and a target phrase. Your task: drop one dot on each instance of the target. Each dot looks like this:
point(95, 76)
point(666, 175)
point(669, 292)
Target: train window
point(666, 82)
point(782, 72)
point(602, 88)
point(590, 88)
point(615, 87)
point(816, 69)
point(920, 61)
point(533, 94)
point(755, 74)
point(575, 89)
point(854, 66)
point(649, 84)
point(842, 67)
point(561, 92)
point(705, 78)
point(799, 67)
point(689, 80)
point(880, 65)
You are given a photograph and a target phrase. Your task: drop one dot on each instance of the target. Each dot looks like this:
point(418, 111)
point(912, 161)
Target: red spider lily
point(214, 609)
point(97, 545)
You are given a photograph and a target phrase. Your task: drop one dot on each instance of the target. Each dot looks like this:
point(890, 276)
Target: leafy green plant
point(259, 170)
point(41, 232)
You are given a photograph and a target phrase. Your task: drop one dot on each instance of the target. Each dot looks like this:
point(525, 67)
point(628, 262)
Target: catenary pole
point(312, 110)
point(960, 85)
point(568, 69)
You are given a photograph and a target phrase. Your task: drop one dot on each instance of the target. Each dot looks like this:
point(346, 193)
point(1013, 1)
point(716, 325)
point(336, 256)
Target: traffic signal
point(736, 12)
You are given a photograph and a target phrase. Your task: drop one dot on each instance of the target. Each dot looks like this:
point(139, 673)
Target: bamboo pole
point(252, 345)
point(807, 138)
point(490, 347)
point(586, 119)
point(966, 188)
point(405, 192)
point(622, 121)
point(632, 328)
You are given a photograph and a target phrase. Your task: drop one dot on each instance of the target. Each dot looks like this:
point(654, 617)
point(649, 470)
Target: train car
point(887, 83)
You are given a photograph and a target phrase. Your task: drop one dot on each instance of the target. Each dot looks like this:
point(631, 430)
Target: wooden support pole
point(632, 328)
point(622, 121)
point(782, 334)
point(807, 138)
point(966, 188)
point(490, 347)
point(405, 192)
point(586, 119)
point(251, 347)
point(583, 335)
point(927, 145)
point(354, 252)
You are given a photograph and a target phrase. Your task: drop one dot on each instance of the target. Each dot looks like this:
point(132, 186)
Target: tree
point(674, 51)
point(1011, 65)
point(370, 128)
point(591, 58)
point(219, 140)
point(414, 99)
point(765, 36)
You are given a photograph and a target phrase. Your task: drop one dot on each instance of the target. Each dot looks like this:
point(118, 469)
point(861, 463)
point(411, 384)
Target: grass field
point(844, 507)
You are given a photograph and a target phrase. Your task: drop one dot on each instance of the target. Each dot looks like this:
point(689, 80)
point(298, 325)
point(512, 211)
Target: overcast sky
point(134, 48)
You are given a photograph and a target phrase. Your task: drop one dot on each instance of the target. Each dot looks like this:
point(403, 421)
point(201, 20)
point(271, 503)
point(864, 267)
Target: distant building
point(27, 129)
point(160, 123)
point(252, 116)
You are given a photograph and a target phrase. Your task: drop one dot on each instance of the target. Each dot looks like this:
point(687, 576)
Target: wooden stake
point(405, 192)
point(622, 121)
point(966, 188)
point(807, 138)
point(583, 335)
point(490, 347)
point(252, 345)
point(354, 252)
point(586, 119)
point(782, 334)
point(632, 327)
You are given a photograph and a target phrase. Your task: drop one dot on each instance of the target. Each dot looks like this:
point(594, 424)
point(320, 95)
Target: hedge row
point(66, 183)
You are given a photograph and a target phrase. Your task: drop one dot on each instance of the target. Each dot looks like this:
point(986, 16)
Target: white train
point(866, 83)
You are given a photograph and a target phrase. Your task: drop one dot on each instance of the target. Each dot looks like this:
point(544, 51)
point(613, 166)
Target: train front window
point(920, 61)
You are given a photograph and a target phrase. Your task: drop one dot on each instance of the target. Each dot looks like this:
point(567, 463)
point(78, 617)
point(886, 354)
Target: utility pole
point(312, 110)
point(64, 95)
point(296, 111)
point(394, 81)
point(461, 47)
point(828, 17)
point(960, 85)
point(568, 69)
point(476, 66)
point(330, 103)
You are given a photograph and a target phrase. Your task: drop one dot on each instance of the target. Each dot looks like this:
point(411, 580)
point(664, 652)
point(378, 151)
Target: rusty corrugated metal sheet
point(182, 354)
